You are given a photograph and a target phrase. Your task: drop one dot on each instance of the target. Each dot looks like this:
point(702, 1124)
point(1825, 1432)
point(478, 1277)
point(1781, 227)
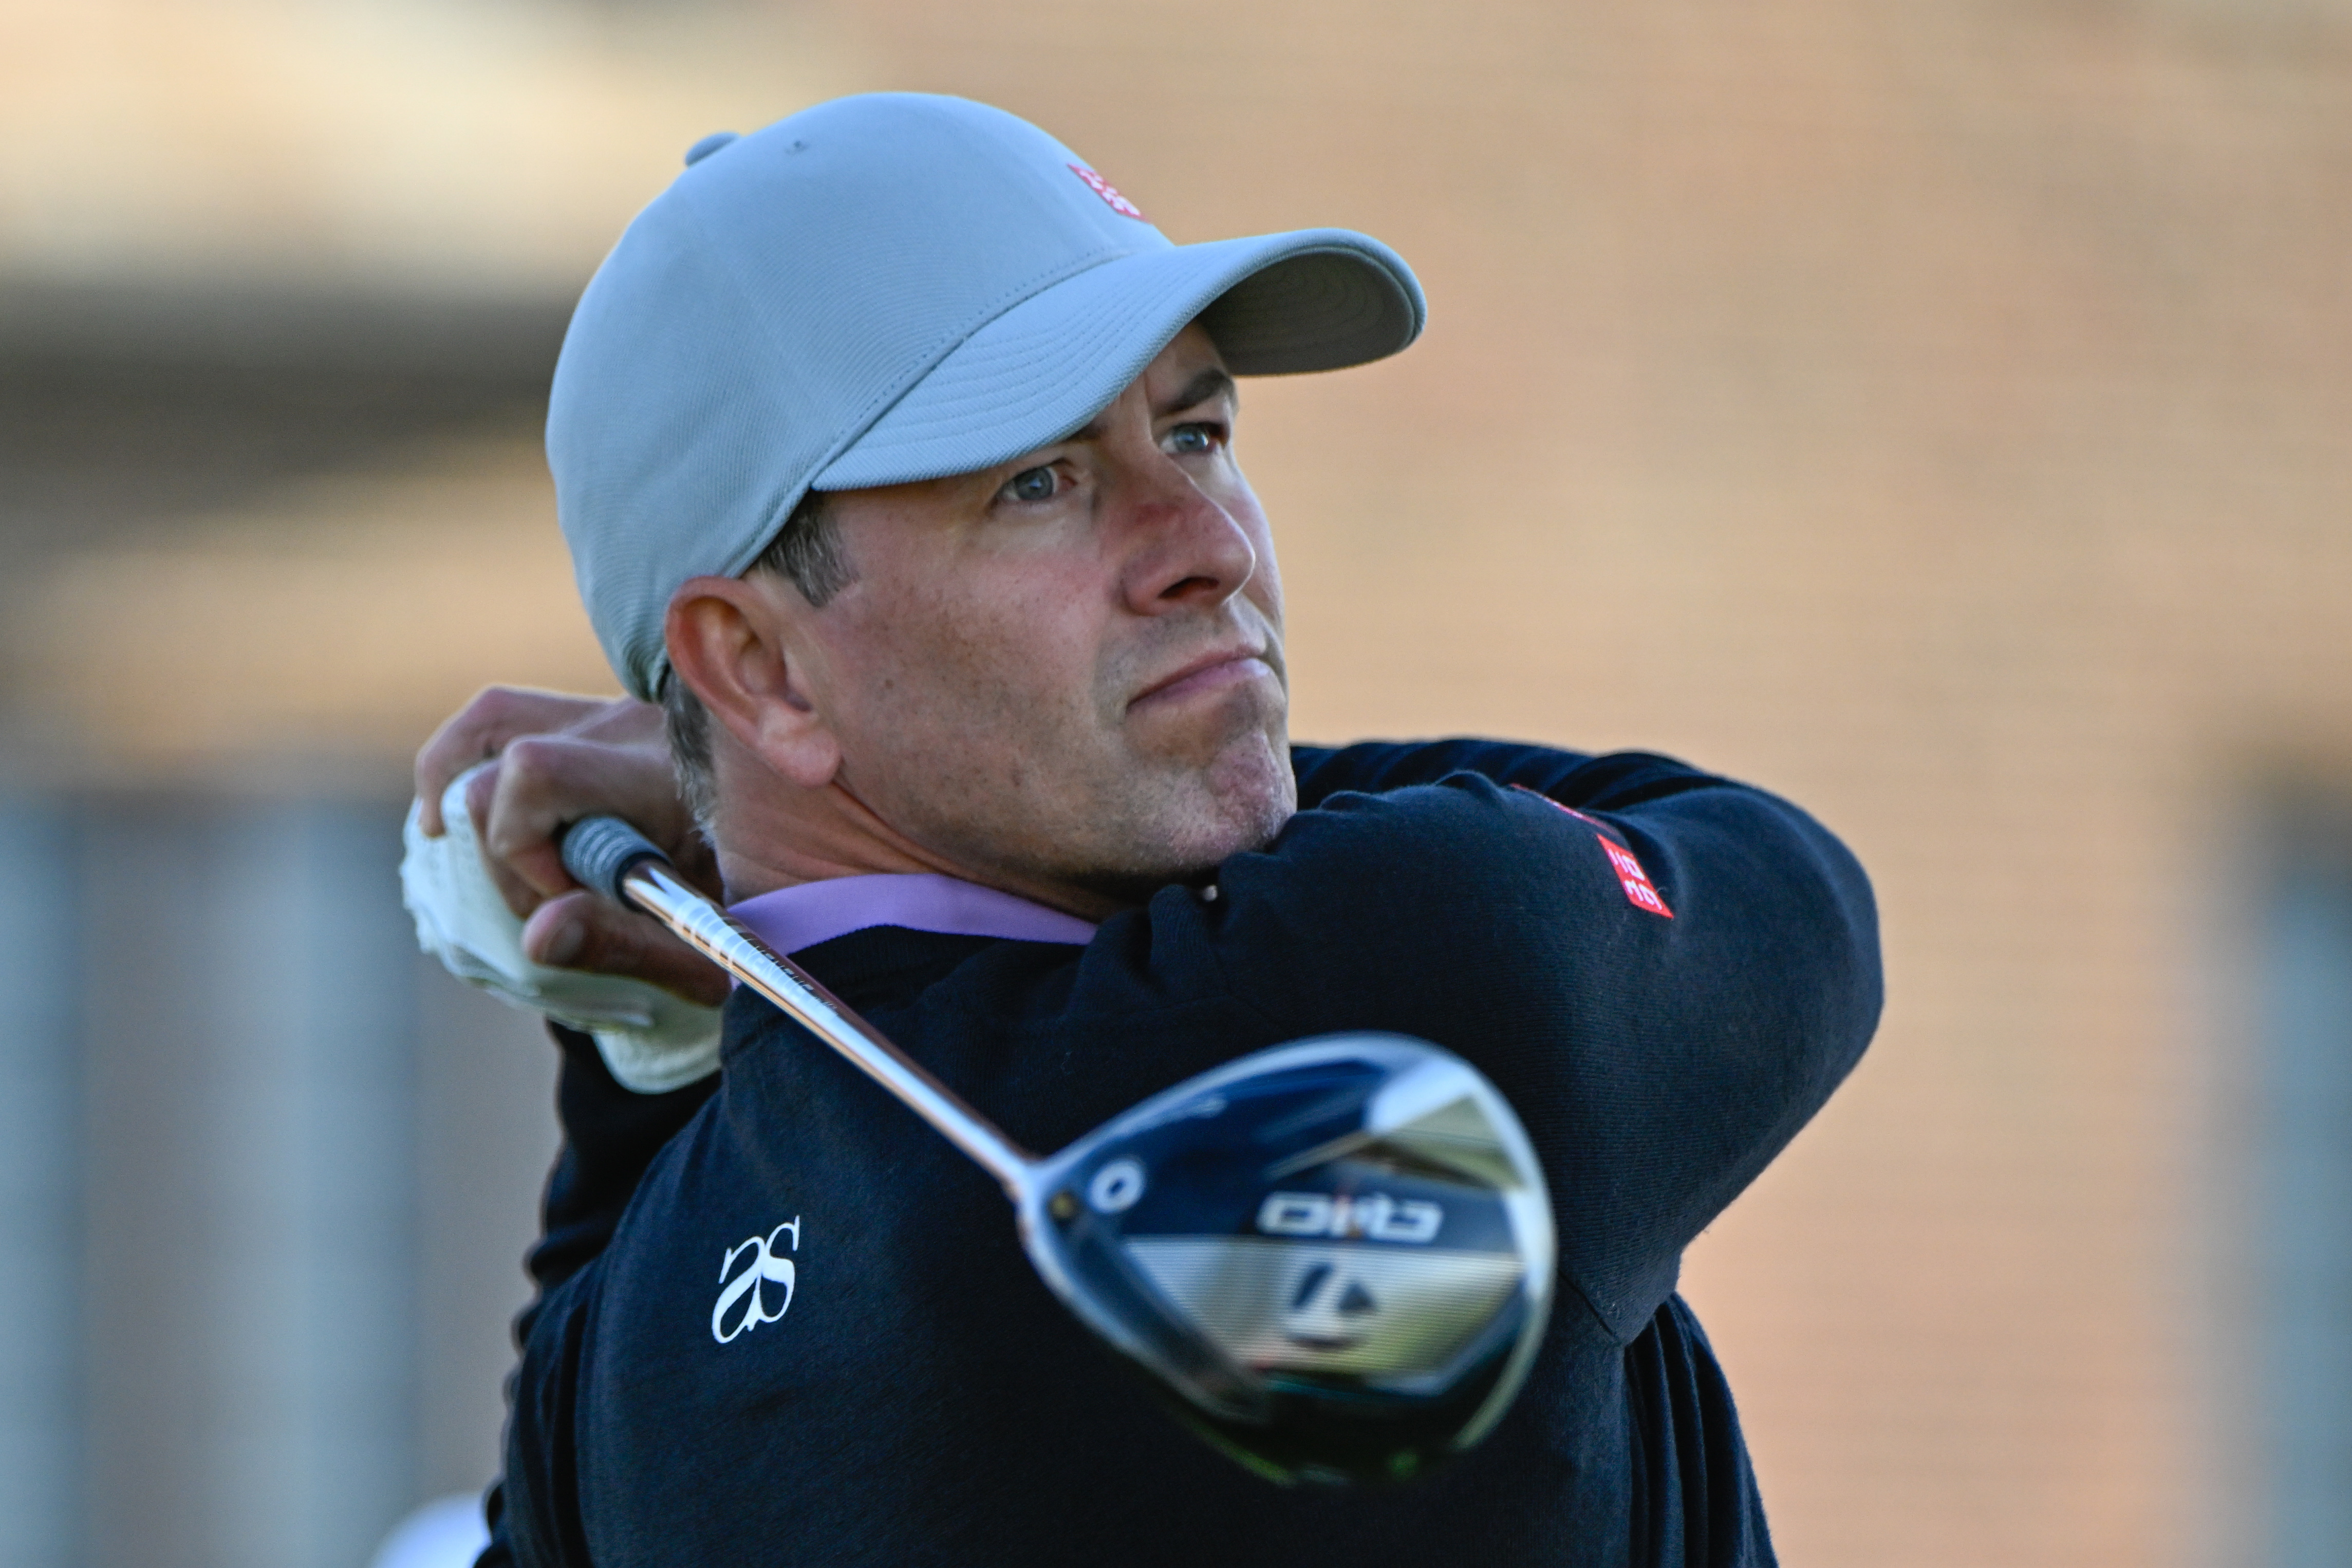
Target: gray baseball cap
point(884, 289)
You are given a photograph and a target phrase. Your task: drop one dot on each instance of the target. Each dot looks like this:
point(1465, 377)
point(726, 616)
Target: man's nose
point(1185, 551)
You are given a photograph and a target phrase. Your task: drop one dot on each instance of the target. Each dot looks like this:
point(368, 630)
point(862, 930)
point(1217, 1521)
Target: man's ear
point(727, 639)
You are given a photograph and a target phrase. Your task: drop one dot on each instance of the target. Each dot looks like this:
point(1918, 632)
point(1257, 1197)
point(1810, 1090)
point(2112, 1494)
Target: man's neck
point(782, 844)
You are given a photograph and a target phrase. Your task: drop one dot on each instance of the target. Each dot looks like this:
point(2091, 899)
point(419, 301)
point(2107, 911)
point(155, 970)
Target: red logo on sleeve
point(1639, 892)
point(1108, 193)
point(1633, 880)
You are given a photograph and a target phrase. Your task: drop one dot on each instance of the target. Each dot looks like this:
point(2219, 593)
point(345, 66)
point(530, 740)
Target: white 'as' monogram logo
point(765, 1266)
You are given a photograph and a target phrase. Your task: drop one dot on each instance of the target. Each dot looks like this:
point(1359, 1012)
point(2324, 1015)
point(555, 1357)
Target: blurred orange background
point(1938, 415)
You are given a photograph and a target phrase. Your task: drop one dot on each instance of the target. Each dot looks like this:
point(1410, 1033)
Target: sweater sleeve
point(1666, 972)
point(611, 1135)
point(1374, 766)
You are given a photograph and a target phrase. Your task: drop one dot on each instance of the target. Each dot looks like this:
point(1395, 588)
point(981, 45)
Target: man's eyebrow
point(1208, 384)
point(1211, 383)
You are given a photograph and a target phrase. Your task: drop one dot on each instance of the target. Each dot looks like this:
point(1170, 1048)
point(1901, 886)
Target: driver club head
point(1337, 1253)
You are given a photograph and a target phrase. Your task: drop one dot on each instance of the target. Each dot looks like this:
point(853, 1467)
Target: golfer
point(896, 451)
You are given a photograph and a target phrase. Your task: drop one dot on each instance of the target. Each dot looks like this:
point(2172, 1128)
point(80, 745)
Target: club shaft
point(709, 931)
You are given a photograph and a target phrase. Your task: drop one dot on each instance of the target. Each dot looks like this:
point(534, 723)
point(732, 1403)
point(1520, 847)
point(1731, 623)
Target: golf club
point(1337, 1254)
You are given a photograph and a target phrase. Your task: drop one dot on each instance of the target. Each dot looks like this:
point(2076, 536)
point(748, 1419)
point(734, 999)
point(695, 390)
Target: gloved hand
point(651, 1039)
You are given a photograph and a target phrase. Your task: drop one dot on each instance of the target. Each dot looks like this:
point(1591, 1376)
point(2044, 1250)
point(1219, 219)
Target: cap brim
point(1274, 304)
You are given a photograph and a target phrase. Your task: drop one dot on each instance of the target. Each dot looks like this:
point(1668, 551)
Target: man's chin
point(1186, 847)
point(1236, 804)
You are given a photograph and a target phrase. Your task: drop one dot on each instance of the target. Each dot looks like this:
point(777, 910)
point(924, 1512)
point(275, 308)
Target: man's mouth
point(1212, 672)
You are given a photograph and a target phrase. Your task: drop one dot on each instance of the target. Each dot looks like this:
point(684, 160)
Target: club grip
point(599, 850)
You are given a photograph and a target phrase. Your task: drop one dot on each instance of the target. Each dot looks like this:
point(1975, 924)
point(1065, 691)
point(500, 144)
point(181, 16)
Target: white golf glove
point(651, 1041)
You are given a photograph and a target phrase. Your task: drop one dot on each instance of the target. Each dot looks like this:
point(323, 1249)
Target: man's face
point(1069, 667)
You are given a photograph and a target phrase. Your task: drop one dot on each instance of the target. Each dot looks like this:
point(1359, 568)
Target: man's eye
point(1191, 440)
point(1031, 484)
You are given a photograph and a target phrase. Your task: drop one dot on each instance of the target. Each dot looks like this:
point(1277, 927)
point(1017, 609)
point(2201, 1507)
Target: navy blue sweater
point(921, 1399)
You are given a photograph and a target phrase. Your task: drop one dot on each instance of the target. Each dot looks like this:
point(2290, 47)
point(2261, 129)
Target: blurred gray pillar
point(40, 1242)
point(249, 1334)
point(2302, 1160)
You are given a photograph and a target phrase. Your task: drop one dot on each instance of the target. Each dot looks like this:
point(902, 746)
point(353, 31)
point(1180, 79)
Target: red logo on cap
point(1108, 193)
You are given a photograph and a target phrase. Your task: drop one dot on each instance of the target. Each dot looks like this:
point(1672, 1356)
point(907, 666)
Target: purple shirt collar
point(791, 918)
